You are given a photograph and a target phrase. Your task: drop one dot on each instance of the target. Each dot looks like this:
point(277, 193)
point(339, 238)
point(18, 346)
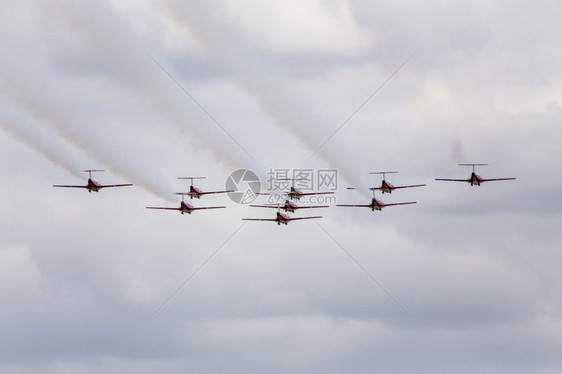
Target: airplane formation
point(292, 194)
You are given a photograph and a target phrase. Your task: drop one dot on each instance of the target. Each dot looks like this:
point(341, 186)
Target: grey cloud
point(477, 267)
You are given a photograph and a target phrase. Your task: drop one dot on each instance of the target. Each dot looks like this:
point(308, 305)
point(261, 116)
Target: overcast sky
point(467, 280)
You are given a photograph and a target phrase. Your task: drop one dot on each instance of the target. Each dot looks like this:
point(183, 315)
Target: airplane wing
point(355, 205)
point(212, 192)
point(314, 193)
point(453, 180)
point(259, 219)
point(207, 207)
point(308, 207)
point(297, 218)
point(406, 203)
point(398, 187)
point(159, 207)
point(496, 179)
point(69, 186)
point(283, 206)
point(115, 185)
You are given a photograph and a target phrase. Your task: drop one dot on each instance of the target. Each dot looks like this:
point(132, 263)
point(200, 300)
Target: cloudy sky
point(467, 280)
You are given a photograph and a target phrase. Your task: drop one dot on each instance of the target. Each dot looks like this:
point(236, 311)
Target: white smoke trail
point(243, 63)
point(59, 126)
point(30, 133)
point(116, 47)
point(33, 84)
point(112, 50)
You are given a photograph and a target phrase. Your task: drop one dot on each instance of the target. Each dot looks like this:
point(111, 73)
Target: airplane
point(474, 179)
point(375, 204)
point(280, 218)
point(388, 187)
point(185, 207)
point(295, 194)
point(196, 192)
point(289, 206)
point(93, 185)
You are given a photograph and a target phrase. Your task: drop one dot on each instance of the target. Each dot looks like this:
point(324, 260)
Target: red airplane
point(375, 204)
point(196, 192)
point(388, 187)
point(281, 218)
point(295, 194)
point(474, 179)
point(93, 185)
point(185, 207)
point(289, 206)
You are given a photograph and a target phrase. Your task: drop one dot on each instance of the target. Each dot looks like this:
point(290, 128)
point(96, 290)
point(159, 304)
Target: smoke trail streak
point(272, 96)
point(114, 51)
point(361, 106)
point(116, 47)
point(61, 124)
point(35, 137)
point(202, 107)
point(43, 93)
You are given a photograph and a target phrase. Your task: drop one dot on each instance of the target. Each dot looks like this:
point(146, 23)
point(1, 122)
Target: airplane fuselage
point(386, 187)
point(282, 218)
point(376, 205)
point(288, 207)
point(93, 185)
point(195, 192)
point(475, 179)
point(186, 208)
point(294, 194)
